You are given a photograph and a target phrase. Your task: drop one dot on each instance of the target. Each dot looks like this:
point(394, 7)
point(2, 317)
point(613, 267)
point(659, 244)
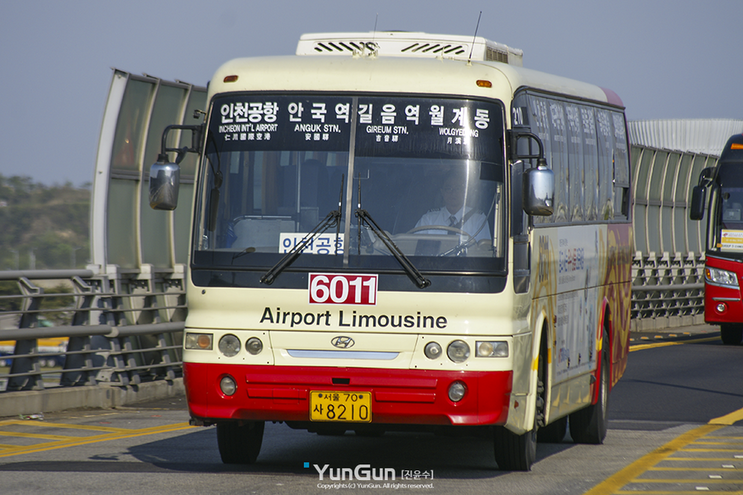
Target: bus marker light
point(254, 345)
point(201, 341)
point(491, 349)
point(482, 83)
point(229, 79)
point(228, 385)
point(432, 350)
point(457, 390)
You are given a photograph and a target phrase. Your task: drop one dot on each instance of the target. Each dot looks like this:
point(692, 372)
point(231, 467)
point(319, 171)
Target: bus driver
point(455, 213)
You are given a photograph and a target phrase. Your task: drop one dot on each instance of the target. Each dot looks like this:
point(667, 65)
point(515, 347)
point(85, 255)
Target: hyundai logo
point(342, 342)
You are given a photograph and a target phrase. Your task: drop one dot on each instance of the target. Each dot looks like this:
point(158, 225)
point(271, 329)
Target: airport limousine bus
point(724, 253)
point(405, 231)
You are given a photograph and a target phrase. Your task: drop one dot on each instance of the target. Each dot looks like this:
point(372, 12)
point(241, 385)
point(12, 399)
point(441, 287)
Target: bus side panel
point(617, 287)
point(728, 297)
point(583, 274)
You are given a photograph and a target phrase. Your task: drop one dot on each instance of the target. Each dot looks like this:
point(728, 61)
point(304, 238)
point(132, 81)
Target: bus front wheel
point(515, 452)
point(731, 334)
point(240, 444)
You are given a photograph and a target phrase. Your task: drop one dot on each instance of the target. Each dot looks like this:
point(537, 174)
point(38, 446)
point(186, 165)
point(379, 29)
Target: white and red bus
point(724, 254)
point(403, 230)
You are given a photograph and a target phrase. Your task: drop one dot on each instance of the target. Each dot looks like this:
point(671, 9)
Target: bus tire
point(731, 334)
point(589, 424)
point(515, 452)
point(553, 432)
point(240, 444)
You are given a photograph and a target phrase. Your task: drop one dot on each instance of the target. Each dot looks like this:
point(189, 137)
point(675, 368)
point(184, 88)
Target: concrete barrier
point(99, 396)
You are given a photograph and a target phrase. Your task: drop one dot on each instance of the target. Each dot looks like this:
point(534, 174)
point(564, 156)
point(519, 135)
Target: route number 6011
point(329, 288)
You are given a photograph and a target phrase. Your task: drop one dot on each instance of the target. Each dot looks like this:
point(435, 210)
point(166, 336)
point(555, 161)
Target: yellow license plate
point(343, 407)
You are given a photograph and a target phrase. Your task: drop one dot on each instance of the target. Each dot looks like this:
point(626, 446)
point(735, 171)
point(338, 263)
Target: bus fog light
point(254, 345)
point(201, 341)
point(458, 351)
point(721, 307)
point(457, 390)
point(491, 349)
point(228, 385)
point(229, 345)
point(432, 350)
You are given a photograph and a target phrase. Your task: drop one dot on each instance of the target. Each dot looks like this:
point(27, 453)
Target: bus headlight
point(229, 345)
point(720, 277)
point(202, 341)
point(254, 345)
point(491, 349)
point(227, 385)
point(458, 351)
point(432, 350)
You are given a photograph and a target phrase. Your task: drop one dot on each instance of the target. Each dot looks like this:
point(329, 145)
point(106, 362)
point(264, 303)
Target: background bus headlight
point(227, 385)
point(201, 341)
point(432, 350)
point(458, 351)
point(491, 349)
point(229, 345)
point(721, 277)
point(254, 345)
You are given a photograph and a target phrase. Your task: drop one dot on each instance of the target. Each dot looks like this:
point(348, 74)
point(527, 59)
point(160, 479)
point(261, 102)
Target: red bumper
point(723, 304)
point(275, 393)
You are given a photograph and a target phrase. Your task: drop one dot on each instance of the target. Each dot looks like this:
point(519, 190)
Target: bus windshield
point(727, 224)
point(356, 178)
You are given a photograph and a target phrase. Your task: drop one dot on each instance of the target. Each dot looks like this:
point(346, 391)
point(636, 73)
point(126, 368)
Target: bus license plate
point(334, 406)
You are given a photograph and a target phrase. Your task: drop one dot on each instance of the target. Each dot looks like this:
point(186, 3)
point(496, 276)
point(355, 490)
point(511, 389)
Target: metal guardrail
point(667, 291)
point(124, 327)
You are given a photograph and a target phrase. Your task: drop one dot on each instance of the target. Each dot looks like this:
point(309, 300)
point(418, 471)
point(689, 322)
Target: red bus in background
point(724, 252)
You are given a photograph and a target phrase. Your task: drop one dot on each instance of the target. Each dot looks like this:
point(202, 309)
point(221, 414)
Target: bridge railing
point(121, 327)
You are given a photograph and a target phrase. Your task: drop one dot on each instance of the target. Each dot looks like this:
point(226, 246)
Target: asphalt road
point(659, 441)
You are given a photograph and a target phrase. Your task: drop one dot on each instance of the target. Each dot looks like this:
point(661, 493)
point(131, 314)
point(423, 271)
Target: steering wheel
point(439, 227)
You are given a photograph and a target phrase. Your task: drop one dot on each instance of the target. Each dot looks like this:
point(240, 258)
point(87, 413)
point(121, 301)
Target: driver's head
point(453, 191)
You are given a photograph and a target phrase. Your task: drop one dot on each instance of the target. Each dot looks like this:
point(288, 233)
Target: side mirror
point(539, 190)
point(698, 198)
point(165, 180)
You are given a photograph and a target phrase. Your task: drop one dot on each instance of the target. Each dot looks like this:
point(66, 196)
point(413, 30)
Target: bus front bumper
point(282, 393)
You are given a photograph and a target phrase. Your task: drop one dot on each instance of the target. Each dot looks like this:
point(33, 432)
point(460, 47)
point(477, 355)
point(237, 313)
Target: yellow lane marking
point(631, 473)
point(62, 425)
point(73, 442)
point(700, 459)
point(640, 347)
point(664, 492)
point(728, 419)
point(687, 469)
point(627, 475)
point(682, 481)
point(34, 435)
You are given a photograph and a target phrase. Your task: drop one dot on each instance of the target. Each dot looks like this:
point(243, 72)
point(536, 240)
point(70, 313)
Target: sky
point(667, 59)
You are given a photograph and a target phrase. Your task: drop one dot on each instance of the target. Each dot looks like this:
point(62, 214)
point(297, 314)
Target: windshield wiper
point(331, 219)
point(405, 263)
